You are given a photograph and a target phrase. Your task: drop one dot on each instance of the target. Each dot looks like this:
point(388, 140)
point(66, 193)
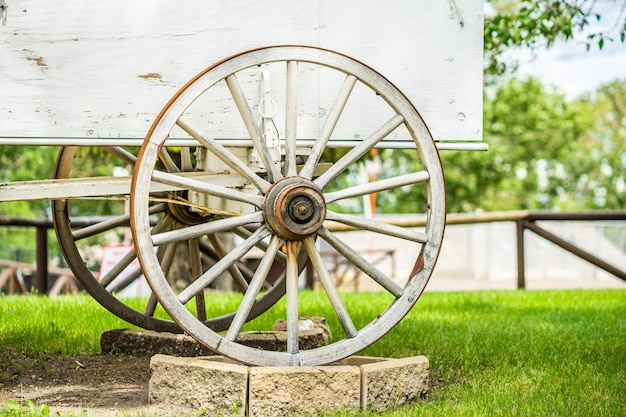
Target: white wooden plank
point(72, 68)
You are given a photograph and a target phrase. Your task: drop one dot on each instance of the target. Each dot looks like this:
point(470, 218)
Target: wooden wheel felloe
point(287, 187)
point(168, 211)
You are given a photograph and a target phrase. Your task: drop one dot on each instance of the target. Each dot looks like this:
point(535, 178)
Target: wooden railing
point(524, 219)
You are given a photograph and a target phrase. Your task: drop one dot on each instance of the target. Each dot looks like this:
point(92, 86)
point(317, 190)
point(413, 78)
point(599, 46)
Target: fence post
point(41, 276)
point(521, 272)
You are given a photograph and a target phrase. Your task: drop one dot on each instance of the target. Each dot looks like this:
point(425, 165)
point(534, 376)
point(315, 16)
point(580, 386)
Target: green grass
point(492, 353)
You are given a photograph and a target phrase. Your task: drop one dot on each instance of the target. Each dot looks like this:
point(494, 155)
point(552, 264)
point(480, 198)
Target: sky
point(573, 69)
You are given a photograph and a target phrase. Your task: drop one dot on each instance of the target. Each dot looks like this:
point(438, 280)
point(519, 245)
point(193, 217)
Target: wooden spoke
point(378, 227)
point(292, 297)
point(362, 263)
point(122, 154)
point(245, 233)
point(196, 271)
point(329, 126)
point(329, 287)
point(252, 127)
point(358, 151)
point(185, 159)
point(203, 187)
point(151, 305)
point(209, 276)
point(253, 289)
point(131, 255)
point(110, 224)
point(291, 118)
point(224, 154)
point(167, 160)
point(117, 269)
point(221, 252)
point(202, 229)
point(129, 277)
point(377, 186)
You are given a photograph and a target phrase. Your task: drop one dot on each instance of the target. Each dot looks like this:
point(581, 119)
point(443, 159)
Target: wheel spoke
point(124, 155)
point(253, 290)
point(204, 187)
point(329, 287)
point(118, 268)
point(377, 186)
point(224, 154)
point(253, 129)
point(151, 305)
point(198, 230)
point(167, 160)
point(221, 252)
point(245, 233)
point(329, 126)
point(126, 260)
point(129, 277)
point(292, 296)
point(196, 271)
point(358, 151)
point(361, 263)
point(120, 221)
point(291, 118)
point(378, 227)
point(222, 265)
point(185, 159)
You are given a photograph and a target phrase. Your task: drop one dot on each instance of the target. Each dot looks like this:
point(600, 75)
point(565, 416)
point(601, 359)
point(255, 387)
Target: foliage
point(14, 409)
point(602, 156)
point(545, 152)
point(534, 24)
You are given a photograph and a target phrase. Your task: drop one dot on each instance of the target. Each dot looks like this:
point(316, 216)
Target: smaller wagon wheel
point(119, 288)
point(289, 193)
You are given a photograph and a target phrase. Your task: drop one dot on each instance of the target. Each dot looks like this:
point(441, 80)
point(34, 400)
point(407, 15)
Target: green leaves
point(30, 409)
point(536, 24)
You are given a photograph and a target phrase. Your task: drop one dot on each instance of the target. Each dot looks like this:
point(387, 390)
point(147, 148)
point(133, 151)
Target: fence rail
point(524, 220)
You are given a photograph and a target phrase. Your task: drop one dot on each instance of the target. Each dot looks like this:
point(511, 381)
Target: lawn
point(492, 353)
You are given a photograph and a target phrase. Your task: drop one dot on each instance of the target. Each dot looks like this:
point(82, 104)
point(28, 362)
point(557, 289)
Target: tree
point(535, 24)
point(596, 173)
point(529, 130)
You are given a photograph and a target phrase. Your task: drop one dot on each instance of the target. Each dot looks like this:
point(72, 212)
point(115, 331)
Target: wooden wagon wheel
point(295, 198)
point(168, 212)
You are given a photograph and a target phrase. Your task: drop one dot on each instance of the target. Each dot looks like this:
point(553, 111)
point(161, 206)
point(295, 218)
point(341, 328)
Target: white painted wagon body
point(239, 152)
point(82, 69)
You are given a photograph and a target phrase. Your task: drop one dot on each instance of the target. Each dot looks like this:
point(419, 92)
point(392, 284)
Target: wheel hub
point(294, 208)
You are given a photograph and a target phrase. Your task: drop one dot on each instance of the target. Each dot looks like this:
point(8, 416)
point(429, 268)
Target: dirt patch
point(90, 384)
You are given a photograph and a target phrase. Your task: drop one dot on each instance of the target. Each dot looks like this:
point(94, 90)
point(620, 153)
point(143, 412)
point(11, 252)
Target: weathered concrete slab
point(393, 382)
point(310, 390)
point(148, 342)
point(215, 384)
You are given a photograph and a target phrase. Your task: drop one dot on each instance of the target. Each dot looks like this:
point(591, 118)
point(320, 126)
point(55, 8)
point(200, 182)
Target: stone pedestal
point(218, 385)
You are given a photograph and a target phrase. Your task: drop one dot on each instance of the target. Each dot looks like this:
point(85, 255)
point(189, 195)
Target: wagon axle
point(294, 208)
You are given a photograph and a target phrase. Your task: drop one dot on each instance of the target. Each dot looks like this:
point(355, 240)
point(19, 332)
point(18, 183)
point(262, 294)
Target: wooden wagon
point(259, 153)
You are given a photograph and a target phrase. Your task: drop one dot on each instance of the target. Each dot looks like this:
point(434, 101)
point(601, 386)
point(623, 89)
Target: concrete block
point(220, 386)
point(308, 390)
point(214, 384)
point(389, 383)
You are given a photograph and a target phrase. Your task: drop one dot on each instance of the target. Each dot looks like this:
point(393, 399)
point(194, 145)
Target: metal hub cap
point(294, 208)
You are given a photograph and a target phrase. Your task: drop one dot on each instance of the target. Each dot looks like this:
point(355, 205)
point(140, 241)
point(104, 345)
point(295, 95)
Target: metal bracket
point(3, 12)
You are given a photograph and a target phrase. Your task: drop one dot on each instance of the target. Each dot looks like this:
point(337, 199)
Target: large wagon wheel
point(168, 212)
point(295, 199)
